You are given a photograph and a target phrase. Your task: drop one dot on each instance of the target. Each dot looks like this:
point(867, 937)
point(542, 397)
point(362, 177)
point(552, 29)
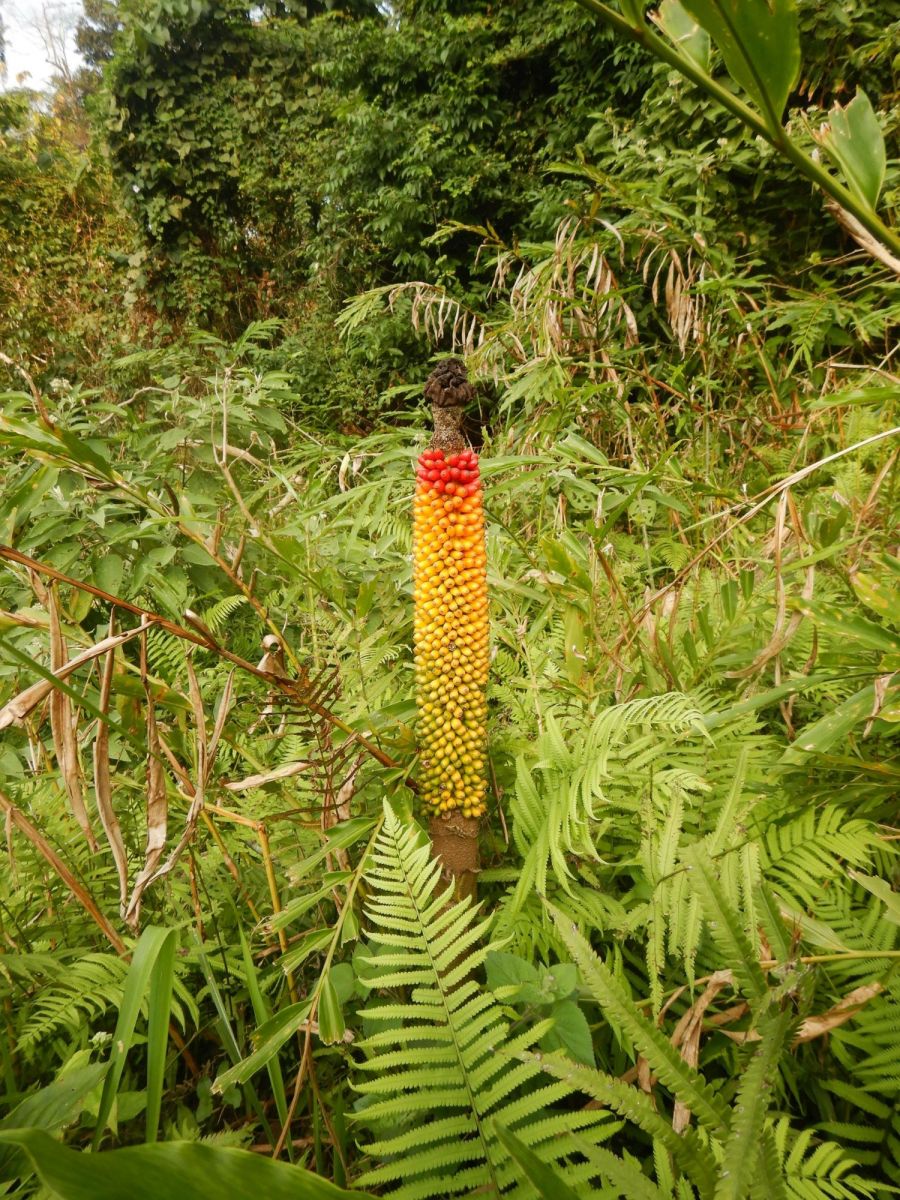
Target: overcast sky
point(25, 47)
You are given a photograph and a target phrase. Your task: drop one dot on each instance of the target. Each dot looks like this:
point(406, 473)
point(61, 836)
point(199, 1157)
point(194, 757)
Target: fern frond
point(446, 1066)
point(687, 1149)
point(741, 1158)
point(687, 1084)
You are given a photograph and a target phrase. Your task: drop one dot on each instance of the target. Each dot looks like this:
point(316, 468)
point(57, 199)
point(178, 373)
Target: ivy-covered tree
point(258, 149)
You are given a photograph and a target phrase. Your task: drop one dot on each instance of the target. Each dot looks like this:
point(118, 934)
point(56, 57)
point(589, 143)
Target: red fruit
point(445, 474)
point(439, 486)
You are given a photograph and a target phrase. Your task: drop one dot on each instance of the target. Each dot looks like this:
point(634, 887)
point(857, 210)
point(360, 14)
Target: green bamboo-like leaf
point(162, 978)
point(262, 1012)
point(176, 1170)
point(740, 1160)
point(153, 955)
point(855, 142)
point(851, 625)
point(331, 1017)
point(878, 593)
point(270, 1037)
point(673, 1071)
point(760, 44)
point(547, 1181)
point(883, 890)
point(821, 735)
point(51, 1108)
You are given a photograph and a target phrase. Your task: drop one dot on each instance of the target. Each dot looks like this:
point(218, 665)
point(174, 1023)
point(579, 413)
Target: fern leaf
point(689, 1086)
point(447, 1069)
point(754, 1096)
point(686, 1149)
point(725, 924)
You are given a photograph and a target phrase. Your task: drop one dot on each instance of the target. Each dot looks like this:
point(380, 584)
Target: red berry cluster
point(453, 476)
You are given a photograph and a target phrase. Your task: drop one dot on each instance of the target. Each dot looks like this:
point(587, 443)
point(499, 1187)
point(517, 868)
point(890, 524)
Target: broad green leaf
point(570, 1032)
point(877, 594)
point(51, 1108)
point(760, 44)
point(269, 1037)
point(682, 29)
point(856, 144)
point(883, 890)
point(175, 1170)
point(633, 10)
point(821, 735)
point(513, 978)
point(262, 1012)
point(331, 1016)
point(851, 625)
point(159, 1007)
point(150, 972)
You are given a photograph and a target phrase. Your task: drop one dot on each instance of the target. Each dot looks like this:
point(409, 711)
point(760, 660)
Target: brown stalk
point(197, 800)
point(294, 689)
point(17, 818)
point(263, 834)
point(102, 778)
point(157, 801)
point(63, 727)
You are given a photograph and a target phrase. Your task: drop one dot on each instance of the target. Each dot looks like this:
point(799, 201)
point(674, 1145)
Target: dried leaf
point(157, 802)
point(686, 1036)
point(844, 1010)
point(102, 779)
point(63, 727)
point(17, 818)
point(253, 781)
point(16, 710)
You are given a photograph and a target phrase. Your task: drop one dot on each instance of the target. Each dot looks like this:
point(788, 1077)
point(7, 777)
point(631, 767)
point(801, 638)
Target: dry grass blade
point(686, 1036)
point(845, 1010)
point(221, 716)
point(18, 819)
point(157, 801)
point(102, 778)
point(16, 710)
point(197, 801)
point(64, 726)
point(254, 781)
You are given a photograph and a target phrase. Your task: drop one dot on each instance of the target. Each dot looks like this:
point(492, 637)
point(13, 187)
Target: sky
point(25, 48)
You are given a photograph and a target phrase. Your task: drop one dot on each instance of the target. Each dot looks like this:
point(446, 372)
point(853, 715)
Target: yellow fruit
point(451, 630)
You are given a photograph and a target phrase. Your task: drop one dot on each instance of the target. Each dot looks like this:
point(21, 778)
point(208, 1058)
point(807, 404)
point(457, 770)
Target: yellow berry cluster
point(451, 631)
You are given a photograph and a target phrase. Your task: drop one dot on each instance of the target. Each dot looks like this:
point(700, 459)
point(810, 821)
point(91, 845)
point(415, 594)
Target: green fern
point(83, 990)
point(443, 1065)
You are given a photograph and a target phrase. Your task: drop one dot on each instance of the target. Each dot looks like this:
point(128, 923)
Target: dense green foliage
point(225, 269)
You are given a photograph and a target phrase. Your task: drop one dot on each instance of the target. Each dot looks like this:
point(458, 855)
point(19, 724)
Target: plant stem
point(775, 136)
